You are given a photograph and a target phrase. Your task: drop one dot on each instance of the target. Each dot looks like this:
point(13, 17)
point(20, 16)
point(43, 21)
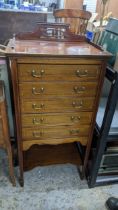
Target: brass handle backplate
point(82, 73)
point(75, 118)
point(35, 92)
point(74, 132)
point(77, 105)
point(79, 89)
point(38, 121)
point(37, 134)
point(37, 107)
point(37, 74)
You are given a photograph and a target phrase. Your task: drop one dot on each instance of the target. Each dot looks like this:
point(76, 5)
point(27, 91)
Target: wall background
point(91, 5)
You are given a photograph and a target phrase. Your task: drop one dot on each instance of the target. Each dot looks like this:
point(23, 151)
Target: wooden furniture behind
point(107, 136)
point(75, 4)
point(104, 167)
point(4, 131)
point(56, 88)
point(78, 19)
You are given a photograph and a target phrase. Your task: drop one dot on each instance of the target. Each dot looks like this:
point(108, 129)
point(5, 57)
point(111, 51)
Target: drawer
point(57, 105)
point(55, 132)
point(28, 143)
point(38, 72)
point(32, 120)
point(34, 90)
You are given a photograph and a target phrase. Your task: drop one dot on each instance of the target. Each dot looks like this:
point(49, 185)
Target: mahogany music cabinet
point(56, 89)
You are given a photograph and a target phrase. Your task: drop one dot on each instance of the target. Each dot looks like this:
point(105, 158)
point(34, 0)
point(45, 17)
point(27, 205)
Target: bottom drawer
point(29, 143)
point(55, 132)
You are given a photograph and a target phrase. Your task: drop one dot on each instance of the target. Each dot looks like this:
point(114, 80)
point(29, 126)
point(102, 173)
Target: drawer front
point(38, 72)
point(34, 90)
point(55, 132)
point(32, 120)
point(57, 105)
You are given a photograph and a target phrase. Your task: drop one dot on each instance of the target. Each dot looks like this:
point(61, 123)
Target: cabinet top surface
point(49, 48)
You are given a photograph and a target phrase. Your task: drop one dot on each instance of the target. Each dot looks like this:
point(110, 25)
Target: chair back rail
point(78, 19)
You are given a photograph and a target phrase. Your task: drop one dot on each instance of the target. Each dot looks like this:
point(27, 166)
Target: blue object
point(2, 4)
point(24, 7)
point(32, 7)
point(89, 35)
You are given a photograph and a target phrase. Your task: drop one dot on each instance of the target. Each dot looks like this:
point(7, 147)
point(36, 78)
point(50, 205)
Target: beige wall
point(73, 4)
point(112, 6)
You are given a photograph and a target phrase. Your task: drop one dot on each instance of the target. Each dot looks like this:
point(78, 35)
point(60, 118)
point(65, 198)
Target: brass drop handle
point(77, 105)
point(82, 73)
point(37, 107)
point(75, 118)
point(74, 132)
point(79, 89)
point(37, 134)
point(39, 74)
point(38, 121)
point(35, 92)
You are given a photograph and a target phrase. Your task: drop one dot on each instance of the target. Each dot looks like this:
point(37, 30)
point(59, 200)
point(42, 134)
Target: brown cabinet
point(56, 92)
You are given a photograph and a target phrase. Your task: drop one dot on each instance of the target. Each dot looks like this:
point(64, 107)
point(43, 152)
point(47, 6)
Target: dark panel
point(48, 155)
point(15, 22)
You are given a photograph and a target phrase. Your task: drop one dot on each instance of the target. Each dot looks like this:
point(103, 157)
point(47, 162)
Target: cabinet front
point(56, 101)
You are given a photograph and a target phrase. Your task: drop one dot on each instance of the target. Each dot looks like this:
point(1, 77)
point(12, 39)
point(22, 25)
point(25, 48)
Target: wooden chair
point(4, 131)
point(78, 19)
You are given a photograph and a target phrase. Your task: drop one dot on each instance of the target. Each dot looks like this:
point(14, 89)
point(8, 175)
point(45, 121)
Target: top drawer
point(38, 72)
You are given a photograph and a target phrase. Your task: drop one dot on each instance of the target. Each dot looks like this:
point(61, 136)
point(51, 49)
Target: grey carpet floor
point(56, 187)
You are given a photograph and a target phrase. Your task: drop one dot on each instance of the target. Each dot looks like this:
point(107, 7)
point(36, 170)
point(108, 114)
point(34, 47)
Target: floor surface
point(56, 187)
